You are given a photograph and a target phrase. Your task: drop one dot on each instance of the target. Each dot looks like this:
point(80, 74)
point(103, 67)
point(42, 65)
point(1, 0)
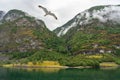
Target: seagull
point(47, 12)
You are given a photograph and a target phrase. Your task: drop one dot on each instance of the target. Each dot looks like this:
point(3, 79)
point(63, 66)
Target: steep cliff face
point(96, 30)
point(2, 13)
point(23, 33)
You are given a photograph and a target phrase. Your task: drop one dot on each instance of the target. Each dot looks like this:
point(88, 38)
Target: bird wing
point(52, 14)
point(44, 9)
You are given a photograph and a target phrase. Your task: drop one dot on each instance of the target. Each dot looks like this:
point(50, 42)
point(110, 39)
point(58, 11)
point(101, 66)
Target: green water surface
point(59, 74)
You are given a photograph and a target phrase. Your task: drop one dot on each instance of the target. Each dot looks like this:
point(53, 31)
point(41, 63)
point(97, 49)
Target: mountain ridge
point(109, 13)
point(24, 33)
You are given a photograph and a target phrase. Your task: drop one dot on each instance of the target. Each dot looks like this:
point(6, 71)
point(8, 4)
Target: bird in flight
point(47, 12)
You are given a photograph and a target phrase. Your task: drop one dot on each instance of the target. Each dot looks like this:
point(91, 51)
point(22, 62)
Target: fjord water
point(59, 74)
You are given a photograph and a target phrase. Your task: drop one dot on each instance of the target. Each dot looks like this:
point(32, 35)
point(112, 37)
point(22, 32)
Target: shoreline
point(53, 64)
point(62, 67)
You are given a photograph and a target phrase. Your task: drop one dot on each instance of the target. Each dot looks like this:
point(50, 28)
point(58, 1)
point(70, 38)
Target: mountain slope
point(20, 32)
point(103, 14)
point(93, 31)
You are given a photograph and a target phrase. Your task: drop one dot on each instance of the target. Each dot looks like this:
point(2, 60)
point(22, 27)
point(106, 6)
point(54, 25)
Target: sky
point(64, 9)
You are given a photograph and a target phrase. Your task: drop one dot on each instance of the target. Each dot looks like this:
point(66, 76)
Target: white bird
point(47, 12)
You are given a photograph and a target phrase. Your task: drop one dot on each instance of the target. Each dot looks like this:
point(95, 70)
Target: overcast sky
point(64, 9)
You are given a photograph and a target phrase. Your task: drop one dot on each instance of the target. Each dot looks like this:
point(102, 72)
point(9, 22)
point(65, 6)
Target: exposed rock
point(23, 33)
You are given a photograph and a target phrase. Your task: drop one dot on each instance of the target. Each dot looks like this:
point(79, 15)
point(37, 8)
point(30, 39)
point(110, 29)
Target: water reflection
point(109, 68)
point(59, 74)
point(45, 70)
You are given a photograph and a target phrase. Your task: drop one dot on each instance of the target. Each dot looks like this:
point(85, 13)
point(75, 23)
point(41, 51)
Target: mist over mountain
point(95, 30)
point(103, 15)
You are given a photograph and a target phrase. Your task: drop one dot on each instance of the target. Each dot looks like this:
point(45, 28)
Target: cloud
point(64, 9)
